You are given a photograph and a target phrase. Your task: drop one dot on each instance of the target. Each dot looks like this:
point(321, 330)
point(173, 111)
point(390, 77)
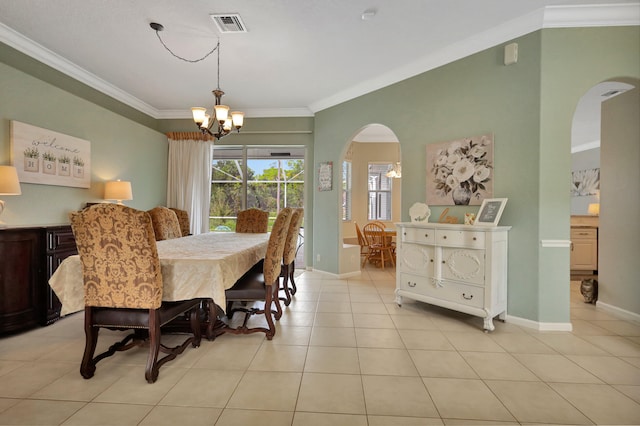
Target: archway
point(598, 152)
point(369, 155)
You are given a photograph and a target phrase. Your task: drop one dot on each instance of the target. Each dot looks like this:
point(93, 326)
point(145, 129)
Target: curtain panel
point(189, 176)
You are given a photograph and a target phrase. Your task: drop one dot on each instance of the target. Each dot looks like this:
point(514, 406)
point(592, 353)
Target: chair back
point(275, 248)
point(183, 220)
point(120, 264)
point(252, 220)
point(291, 243)
point(361, 238)
point(165, 223)
point(374, 234)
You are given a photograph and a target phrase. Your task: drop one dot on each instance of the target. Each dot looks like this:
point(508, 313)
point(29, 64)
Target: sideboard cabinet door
point(21, 276)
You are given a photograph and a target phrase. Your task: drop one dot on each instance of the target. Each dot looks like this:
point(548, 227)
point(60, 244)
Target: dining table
point(196, 266)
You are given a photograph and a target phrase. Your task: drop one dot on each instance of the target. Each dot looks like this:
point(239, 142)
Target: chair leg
point(275, 300)
point(294, 289)
point(88, 366)
point(195, 327)
point(151, 372)
point(285, 285)
point(267, 313)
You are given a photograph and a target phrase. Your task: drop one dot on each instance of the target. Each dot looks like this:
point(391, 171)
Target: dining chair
point(261, 283)
point(289, 256)
point(183, 221)
point(123, 286)
point(252, 220)
point(379, 244)
point(165, 223)
point(364, 245)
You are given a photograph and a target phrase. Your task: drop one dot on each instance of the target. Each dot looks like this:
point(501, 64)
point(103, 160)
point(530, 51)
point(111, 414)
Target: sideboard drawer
point(444, 290)
point(471, 239)
point(60, 239)
point(418, 235)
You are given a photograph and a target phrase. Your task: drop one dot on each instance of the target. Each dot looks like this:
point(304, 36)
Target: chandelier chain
point(190, 60)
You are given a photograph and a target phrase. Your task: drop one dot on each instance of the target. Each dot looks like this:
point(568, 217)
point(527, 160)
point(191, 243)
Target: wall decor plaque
point(46, 157)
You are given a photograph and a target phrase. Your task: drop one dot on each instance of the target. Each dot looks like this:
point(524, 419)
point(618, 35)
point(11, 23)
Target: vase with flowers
point(463, 168)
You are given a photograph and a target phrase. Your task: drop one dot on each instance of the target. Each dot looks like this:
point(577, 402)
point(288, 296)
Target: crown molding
point(548, 17)
point(37, 51)
point(168, 114)
point(599, 15)
point(622, 14)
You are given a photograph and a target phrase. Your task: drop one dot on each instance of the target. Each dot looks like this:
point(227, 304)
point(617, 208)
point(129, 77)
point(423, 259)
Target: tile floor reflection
point(344, 354)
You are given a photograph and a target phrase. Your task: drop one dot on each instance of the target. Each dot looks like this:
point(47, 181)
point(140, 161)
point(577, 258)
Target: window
point(269, 178)
point(379, 191)
point(346, 190)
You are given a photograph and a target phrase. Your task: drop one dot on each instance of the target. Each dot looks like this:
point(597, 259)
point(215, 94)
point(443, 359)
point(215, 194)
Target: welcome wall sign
point(46, 157)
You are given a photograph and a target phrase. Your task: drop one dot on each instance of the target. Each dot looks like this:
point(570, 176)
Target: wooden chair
point(252, 220)
point(364, 245)
point(183, 220)
point(261, 283)
point(123, 285)
point(165, 223)
point(289, 256)
point(379, 244)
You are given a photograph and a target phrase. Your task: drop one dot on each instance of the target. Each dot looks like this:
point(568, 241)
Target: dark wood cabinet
point(21, 277)
point(60, 245)
point(28, 258)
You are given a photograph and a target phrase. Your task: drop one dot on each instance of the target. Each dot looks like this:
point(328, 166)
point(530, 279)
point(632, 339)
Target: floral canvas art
point(585, 182)
point(460, 172)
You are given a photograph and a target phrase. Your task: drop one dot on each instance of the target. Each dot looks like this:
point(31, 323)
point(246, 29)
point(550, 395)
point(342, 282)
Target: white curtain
point(189, 177)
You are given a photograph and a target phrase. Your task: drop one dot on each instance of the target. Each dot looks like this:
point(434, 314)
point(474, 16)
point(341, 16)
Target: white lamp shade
point(594, 209)
point(9, 183)
point(238, 119)
point(222, 112)
point(198, 114)
point(118, 190)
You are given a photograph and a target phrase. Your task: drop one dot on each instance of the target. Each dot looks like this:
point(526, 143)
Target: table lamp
point(118, 190)
point(594, 209)
point(9, 185)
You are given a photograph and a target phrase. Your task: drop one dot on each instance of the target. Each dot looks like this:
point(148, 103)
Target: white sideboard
point(459, 267)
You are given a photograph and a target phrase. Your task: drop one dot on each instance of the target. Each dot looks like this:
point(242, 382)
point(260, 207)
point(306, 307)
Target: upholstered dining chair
point(252, 221)
point(379, 244)
point(123, 286)
point(289, 256)
point(261, 283)
point(183, 220)
point(165, 223)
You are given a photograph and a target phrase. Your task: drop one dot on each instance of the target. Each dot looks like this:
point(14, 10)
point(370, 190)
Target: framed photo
point(490, 211)
point(460, 172)
point(325, 176)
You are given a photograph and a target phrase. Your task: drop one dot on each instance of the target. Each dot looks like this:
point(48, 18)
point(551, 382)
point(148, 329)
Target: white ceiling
point(298, 56)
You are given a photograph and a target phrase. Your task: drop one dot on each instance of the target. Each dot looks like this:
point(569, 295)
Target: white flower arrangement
point(462, 164)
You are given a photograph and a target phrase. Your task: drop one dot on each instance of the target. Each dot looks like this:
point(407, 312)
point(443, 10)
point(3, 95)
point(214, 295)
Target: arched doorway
point(598, 152)
point(369, 190)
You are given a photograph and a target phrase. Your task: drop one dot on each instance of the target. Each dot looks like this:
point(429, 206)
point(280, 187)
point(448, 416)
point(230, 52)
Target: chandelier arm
point(185, 59)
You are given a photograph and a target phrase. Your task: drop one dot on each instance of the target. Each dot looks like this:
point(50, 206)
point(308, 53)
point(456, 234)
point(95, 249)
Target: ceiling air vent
point(229, 22)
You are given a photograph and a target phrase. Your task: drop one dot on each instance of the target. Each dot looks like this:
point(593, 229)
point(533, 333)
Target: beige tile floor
point(344, 354)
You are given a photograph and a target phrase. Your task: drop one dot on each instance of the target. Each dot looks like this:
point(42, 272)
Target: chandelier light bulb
point(222, 113)
point(238, 119)
point(199, 115)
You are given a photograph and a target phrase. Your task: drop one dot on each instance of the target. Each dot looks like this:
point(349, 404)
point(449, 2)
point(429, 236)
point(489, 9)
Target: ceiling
point(297, 57)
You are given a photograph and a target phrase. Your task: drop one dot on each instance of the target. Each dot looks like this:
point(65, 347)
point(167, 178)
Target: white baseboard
point(623, 313)
point(540, 326)
point(338, 276)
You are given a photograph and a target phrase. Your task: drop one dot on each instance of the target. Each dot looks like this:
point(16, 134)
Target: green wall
point(120, 149)
point(529, 107)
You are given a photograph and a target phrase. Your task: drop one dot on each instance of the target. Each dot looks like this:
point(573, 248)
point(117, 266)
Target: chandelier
point(220, 122)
